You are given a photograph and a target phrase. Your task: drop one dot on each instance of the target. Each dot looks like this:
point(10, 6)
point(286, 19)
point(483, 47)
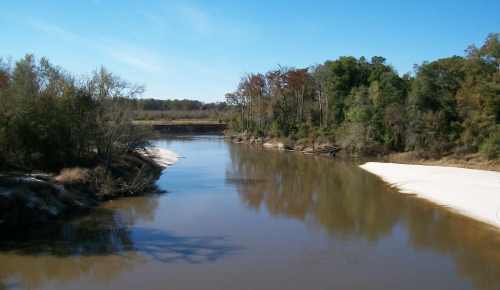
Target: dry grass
point(471, 161)
point(73, 175)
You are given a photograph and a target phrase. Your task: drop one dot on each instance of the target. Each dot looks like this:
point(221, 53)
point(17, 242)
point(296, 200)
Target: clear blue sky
point(199, 49)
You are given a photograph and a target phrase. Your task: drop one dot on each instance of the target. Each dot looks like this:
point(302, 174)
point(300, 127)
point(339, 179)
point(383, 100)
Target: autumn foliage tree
point(448, 105)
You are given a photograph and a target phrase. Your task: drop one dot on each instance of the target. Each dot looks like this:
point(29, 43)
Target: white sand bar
point(163, 157)
point(474, 193)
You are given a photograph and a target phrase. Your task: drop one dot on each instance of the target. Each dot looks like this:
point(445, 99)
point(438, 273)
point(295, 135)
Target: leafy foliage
point(50, 119)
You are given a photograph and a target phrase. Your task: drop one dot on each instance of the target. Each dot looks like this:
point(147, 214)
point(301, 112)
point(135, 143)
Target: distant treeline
point(448, 105)
point(50, 118)
point(154, 109)
point(178, 105)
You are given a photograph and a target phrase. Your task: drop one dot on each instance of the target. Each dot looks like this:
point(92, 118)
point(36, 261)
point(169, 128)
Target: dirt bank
point(318, 147)
point(470, 161)
point(29, 199)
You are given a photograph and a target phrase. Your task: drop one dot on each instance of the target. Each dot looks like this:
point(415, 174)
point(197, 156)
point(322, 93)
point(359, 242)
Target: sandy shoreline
point(471, 192)
point(163, 157)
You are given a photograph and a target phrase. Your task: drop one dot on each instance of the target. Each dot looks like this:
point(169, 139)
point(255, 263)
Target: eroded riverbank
point(30, 199)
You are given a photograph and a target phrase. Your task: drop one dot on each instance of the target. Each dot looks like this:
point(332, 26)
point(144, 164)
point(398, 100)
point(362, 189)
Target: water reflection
point(335, 195)
point(98, 245)
point(347, 202)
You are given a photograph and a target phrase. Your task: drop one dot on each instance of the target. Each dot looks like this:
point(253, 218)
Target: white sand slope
point(474, 193)
point(163, 157)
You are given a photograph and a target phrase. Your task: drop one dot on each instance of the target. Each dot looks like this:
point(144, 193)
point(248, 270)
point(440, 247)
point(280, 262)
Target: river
point(243, 217)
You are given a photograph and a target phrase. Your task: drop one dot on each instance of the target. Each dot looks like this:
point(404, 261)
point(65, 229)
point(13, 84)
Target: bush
point(102, 182)
point(303, 130)
point(259, 133)
point(491, 147)
point(303, 141)
point(289, 143)
point(326, 133)
point(275, 130)
point(74, 175)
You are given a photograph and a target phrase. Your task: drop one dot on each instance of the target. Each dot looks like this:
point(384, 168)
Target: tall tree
point(112, 114)
point(320, 74)
point(344, 75)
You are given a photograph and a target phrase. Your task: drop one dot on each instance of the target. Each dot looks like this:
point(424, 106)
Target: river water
point(243, 217)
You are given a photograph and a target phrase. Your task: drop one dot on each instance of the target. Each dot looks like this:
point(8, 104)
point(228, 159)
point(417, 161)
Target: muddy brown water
point(243, 217)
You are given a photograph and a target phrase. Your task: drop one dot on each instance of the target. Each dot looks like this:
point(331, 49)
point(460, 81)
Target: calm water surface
point(241, 217)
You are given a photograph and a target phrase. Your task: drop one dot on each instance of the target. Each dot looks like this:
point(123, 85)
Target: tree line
point(448, 105)
point(154, 109)
point(50, 118)
point(178, 105)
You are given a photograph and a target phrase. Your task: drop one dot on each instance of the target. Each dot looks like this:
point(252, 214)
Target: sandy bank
point(474, 193)
point(163, 157)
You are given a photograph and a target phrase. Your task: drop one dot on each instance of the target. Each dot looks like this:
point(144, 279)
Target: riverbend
point(248, 217)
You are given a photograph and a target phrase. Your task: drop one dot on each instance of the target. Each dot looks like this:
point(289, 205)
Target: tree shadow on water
point(168, 248)
point(104, 232)
point(98, 245)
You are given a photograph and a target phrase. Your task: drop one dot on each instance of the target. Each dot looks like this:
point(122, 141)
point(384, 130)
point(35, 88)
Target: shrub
point(102, 183)
point(259, 133)
point(289, 143)
point(491, 147)
point(326, 133)
point(275, 130)
point(303, 130)
point(303, 141)
point(74, 175)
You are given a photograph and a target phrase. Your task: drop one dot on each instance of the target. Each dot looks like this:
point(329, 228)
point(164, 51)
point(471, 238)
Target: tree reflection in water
point(99, 244)
point(346, 201)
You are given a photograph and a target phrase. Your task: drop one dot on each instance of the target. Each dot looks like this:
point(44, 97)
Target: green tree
point(344, 76)
point(433, 93)
point(112, 115)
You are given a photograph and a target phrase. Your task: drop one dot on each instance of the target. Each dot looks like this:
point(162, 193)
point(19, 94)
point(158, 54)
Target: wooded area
point(175, 104)
point(50, 119)
point(448, 105)
point(168, 110)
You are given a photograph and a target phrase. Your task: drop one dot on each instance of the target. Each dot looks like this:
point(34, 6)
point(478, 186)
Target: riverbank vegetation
point(77, 130)
point(50, 119)
point(447, 106)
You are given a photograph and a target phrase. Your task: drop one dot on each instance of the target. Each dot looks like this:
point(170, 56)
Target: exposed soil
point(29, 199)
point(471, 161)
